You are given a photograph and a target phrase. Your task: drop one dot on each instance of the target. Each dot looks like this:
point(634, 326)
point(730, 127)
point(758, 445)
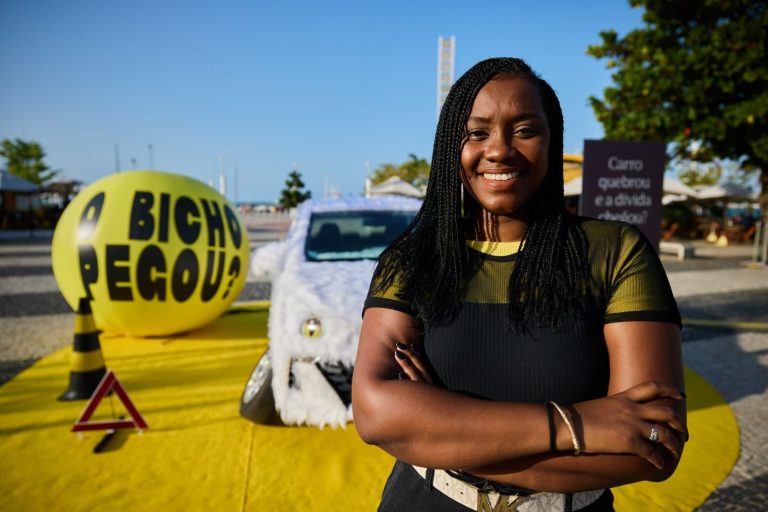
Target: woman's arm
point(639, 352)
point(428, 426)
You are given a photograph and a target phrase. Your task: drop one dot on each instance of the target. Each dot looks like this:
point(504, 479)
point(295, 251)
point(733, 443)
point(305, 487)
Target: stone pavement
point(715, 285)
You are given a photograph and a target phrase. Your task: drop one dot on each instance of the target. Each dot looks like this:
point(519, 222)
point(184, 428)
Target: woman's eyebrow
point(524, 116)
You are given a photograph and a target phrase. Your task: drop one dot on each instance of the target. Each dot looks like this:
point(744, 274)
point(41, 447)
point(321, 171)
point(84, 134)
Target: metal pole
point(756, 243)
point(234, 187)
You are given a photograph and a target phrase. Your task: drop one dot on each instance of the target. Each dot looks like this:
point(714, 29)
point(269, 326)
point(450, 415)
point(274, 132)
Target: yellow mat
point(708, 457)
point(198, 454)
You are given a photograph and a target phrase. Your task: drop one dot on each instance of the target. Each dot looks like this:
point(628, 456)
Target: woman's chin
point(505, 209)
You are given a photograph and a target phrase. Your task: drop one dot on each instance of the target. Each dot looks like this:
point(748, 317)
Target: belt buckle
point(502, 505)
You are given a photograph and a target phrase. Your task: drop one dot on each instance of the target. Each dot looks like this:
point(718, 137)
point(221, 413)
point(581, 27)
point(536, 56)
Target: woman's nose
point(498, 148)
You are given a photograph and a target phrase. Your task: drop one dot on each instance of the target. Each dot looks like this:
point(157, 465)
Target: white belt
point(469, 496)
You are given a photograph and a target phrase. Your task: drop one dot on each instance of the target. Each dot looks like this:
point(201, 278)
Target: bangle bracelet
point(551, 422)
point(568, 423)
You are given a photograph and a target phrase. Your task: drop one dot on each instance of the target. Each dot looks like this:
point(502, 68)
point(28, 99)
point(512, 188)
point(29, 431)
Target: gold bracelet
point(568, 423)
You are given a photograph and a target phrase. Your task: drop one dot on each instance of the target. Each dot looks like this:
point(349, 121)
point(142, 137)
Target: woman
point(538, 353)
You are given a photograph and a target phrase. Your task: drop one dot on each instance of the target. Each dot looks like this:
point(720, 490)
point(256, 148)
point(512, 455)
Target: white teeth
point(501, 177)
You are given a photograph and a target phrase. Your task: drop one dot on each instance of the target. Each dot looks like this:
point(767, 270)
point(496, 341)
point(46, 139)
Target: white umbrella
point(672, 186)
point(725, 191)
point(395, 186)
point(573, 187)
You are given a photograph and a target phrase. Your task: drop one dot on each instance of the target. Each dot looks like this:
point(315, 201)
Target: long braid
point(430, 259)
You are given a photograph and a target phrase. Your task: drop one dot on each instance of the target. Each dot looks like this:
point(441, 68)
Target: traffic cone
point(86, 362)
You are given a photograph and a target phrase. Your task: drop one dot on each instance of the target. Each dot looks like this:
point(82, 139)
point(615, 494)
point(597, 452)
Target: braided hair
point(430, 260)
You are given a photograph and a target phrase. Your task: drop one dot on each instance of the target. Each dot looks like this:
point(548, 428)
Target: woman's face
point(505, 154)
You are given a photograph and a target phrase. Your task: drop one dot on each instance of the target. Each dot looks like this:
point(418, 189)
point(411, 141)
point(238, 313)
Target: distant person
point(749, 228)
point(503, 336)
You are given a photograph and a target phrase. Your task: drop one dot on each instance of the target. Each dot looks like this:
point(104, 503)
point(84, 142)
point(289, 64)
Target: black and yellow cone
point(86, 362)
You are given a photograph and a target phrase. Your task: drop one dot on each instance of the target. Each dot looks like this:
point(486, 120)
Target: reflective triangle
point(109, 383)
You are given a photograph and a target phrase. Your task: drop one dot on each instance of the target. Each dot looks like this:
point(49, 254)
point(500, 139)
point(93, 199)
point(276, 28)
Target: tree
point(698, 175)
point(293, 195)
point(415, 171)
point(696, 77)
point(25, 159)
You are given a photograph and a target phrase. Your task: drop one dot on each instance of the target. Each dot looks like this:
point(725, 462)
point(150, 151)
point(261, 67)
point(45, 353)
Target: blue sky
point(252, 88)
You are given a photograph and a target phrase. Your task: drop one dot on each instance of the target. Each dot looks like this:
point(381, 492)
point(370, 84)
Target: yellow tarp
point(708, 457)
point(199, 454)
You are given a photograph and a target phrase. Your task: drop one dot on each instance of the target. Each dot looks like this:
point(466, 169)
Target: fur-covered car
point(320, 275)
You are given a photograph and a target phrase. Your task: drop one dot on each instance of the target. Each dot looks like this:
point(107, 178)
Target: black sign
point(623, 181)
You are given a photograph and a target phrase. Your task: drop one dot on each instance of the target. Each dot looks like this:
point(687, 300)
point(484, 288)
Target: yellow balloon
point(156, 253)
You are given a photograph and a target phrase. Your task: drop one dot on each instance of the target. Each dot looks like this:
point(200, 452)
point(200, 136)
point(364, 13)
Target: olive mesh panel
point(626, 274)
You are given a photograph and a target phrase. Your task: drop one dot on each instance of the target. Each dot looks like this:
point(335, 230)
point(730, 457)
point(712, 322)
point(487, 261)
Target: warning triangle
point(107, 384)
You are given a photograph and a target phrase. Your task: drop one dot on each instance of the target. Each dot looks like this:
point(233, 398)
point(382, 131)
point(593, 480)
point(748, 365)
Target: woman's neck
point(496, 228)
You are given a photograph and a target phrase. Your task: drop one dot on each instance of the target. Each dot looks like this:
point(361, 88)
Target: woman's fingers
point(409, 370)
point(665, 437)
point(664, 414)
point(412, 364)
point(625, 423)
point(652, 455)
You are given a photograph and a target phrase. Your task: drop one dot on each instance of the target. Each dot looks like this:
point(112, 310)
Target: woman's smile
point(501, 175)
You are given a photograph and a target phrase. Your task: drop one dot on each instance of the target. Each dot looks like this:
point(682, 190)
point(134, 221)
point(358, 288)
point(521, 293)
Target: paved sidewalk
point(718, 285)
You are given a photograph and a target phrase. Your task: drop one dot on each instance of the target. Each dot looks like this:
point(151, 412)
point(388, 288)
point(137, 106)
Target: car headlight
point(312, 328)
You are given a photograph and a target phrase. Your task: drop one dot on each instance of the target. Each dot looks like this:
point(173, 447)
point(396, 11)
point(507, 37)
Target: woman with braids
point(513, 356)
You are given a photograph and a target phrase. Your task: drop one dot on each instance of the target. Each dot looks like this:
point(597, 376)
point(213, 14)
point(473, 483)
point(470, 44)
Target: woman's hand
point(619, 423)
point(414, 366)
point(622, 423)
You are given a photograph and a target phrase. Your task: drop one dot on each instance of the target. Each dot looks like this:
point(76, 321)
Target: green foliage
point(415, 171)
point(696, 174)
point(293, 194)
point(25, 159)
point(696, 71)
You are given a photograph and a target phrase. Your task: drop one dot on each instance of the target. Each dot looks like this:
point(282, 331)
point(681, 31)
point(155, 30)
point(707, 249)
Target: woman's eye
point(475, 134)
point(526, 131)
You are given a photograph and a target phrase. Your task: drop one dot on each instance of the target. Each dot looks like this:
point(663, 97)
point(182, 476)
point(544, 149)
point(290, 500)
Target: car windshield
point(353, 235)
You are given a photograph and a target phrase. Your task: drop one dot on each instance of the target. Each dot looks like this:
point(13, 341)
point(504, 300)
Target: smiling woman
point(503, 337)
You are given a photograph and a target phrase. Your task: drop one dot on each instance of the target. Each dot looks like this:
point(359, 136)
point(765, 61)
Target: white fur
point(334, 292)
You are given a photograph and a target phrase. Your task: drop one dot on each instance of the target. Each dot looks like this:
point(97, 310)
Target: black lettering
point(142, 224)
point(162, 228)
point(90, 217)
point(214, 221)
point(210, 287)
point(150, 273)
point(234, 227)
point(185, 273)
point(185, 210)
point(89, 268)
point(118, 272)
point(234, 271)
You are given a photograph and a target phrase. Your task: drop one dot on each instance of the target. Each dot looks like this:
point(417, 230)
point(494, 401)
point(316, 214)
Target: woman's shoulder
point(599, 231)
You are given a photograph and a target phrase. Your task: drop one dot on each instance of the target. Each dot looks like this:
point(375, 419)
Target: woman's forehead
point(510, 93)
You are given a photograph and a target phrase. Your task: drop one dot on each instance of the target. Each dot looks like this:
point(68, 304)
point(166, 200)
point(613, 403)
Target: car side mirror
point(267, 261)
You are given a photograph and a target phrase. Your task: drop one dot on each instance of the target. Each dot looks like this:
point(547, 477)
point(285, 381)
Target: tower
point(446, 53)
